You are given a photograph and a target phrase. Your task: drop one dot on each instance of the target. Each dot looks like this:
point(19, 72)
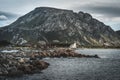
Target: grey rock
point(48, 24)
point(118, 32)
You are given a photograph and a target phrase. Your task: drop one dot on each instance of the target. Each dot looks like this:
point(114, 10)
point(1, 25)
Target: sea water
point(107, 67)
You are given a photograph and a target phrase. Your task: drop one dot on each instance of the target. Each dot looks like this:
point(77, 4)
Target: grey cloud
point(105, 10)
point(6, 18)
point(7, 15)
point(106, 7)
point(3, 17)
point(116, 26)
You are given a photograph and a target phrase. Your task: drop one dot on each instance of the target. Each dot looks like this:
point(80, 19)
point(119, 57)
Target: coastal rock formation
point(45, 24)
point(20, 63)
point(10, 66)
point(60, 53)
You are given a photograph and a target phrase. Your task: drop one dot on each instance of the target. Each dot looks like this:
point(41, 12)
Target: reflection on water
point(106, 68)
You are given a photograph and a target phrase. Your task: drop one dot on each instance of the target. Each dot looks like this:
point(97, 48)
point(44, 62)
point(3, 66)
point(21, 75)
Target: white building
point(74, 45)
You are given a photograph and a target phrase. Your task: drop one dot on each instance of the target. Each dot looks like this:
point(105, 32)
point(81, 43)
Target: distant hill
point(45, 24)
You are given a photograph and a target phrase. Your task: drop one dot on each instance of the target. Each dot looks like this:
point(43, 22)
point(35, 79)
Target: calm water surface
point(106, 68)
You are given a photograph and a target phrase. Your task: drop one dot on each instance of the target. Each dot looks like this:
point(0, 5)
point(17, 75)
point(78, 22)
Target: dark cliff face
point(50, 24)
point(118, 32)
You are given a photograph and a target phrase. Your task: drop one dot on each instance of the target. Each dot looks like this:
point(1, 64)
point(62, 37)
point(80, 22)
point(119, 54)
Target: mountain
point(118, 32)
point(4, 43)
point(45, 24)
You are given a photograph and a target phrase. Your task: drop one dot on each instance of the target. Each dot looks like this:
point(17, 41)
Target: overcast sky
point(104, 10)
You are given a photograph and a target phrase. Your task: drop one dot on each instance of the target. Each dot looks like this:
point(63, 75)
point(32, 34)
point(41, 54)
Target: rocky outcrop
point(61, 53)
point(11, 66)
point(47, 25)
point(20, 63)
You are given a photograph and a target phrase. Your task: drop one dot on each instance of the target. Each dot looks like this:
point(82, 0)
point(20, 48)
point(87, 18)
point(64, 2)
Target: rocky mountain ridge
point(49, 25)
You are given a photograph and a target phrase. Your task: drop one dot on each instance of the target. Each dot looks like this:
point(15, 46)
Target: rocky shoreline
point(20, 63)
point(11, 66)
